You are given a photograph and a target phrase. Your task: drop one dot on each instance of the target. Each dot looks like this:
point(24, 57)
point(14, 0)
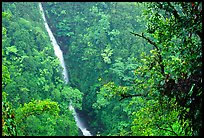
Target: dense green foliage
point(147, 82)
point(135, 67)
point(31, 74)
point(8, 121)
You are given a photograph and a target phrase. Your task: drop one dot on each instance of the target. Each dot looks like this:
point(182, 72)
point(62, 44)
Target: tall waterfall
point(59, 54)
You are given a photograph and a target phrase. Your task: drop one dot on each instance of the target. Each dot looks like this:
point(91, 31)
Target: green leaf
point(11, 49)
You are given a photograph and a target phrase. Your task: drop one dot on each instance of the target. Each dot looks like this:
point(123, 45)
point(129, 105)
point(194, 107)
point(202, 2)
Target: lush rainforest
point(135, 68)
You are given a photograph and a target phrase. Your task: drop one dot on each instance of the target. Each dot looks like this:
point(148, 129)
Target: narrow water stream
point(59, 54)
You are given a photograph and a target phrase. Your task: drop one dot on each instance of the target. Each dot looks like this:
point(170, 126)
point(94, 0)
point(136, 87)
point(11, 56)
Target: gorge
point(101, 69)
point(59, 54)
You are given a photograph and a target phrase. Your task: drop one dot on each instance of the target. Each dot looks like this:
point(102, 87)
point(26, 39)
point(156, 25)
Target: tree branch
point(130, 96)
point(174, 11)
point(151, 42)
point(158, 50)
point(167, 130)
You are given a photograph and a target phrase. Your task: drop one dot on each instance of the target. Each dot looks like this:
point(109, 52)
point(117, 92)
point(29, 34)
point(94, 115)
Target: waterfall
point(59, 54)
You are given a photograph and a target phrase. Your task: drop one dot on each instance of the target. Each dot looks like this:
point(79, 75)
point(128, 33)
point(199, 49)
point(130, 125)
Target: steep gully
point(59, 54)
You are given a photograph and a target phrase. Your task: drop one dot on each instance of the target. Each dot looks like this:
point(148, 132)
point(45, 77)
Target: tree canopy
point(134, 68)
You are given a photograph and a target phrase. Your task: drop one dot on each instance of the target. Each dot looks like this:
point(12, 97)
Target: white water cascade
point(59, 54)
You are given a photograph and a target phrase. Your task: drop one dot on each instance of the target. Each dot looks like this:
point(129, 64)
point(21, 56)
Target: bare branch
point(155, 45)
point(150, 41)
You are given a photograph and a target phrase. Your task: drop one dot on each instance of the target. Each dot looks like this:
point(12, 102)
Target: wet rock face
point(80, 132)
